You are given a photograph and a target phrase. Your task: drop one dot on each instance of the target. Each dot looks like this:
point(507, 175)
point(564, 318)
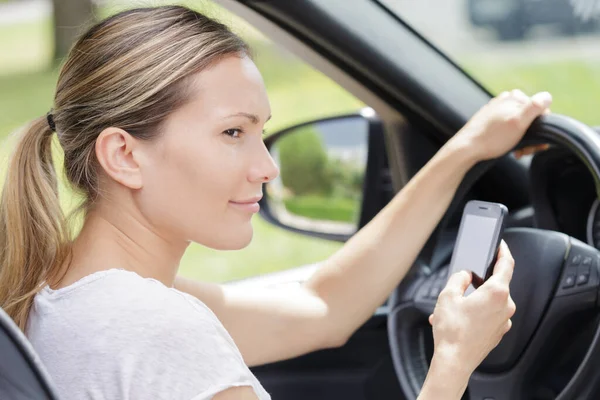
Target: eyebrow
point(252, 117)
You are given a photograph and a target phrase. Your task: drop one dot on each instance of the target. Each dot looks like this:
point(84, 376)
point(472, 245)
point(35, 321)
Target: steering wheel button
point(435, 291)
point(569, 281)
point(582, 279)
point(584, 269)
point(576, 259)
point(587, 261)
point(423, 292)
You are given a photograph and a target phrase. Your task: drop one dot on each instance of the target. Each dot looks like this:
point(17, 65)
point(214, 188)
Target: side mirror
point(323, 165)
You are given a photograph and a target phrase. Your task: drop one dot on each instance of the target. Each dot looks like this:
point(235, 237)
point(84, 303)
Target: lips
point(250, 200)
point(249, 205)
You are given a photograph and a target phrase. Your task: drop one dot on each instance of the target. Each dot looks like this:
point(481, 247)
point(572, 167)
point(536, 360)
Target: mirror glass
point(322, 172)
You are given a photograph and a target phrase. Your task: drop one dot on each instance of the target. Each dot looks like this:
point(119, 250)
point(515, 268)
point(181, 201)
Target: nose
point(264, 167)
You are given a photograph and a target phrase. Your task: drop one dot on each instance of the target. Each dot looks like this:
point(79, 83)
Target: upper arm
point(267, 325)
point(237, 393)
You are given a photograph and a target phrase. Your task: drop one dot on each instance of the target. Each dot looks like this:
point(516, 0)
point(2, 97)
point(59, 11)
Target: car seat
point(22, 375)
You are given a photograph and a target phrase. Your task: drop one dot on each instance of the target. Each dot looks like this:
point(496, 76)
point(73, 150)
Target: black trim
point(432, 46)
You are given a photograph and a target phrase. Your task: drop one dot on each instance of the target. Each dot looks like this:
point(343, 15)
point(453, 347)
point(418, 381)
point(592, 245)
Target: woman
point(160, 114)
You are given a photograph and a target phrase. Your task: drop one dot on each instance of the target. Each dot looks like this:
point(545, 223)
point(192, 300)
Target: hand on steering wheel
point(499, 125)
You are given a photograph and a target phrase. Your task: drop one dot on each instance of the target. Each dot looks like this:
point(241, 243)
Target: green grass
point(324, 208)
point(25, 47)
point(575, 85)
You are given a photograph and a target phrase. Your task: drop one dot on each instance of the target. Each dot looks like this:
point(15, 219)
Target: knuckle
point(499, 292)
point(511, 308)
point(446, 295)
point(508, 326)
point(507, 261)
point(514, 121)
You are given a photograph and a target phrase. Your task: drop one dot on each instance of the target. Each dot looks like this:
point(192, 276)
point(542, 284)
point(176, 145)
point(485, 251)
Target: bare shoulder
point(237, 393)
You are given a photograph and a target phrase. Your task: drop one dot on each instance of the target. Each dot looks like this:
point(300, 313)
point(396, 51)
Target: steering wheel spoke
point(580, 274)
point(497, 387)
point(429, 290)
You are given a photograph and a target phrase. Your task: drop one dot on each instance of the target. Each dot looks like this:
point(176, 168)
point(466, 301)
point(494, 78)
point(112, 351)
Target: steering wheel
point(555, 277)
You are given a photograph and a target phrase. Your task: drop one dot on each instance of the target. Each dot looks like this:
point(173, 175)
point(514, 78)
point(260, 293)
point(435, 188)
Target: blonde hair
point(129, 71)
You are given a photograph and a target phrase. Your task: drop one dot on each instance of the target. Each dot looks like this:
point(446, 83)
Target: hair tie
point(50, 120)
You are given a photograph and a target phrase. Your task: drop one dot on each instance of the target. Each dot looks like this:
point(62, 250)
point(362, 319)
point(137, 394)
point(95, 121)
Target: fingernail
point(544, 99)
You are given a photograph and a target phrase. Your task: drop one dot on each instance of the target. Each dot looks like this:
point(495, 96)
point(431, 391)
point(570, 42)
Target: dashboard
point(564, 197)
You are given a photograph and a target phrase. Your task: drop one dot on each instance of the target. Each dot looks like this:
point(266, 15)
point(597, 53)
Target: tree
point(304, 162)
point(71, 17)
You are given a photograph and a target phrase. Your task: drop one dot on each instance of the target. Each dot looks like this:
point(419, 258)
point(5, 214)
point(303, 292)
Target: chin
point(235, 240)
point(239, 243)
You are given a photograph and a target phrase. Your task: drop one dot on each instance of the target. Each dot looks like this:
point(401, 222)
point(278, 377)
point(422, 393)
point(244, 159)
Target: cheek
point(186, 193)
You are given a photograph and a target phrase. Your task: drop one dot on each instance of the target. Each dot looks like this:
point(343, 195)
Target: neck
point(112, 238)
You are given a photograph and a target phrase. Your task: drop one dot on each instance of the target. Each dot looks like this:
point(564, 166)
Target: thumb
point(459, 282)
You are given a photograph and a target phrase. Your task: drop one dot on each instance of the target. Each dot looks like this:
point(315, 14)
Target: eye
point(264, 133)
point(234, 133)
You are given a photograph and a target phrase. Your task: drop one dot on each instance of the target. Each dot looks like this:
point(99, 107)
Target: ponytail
point(33, 231)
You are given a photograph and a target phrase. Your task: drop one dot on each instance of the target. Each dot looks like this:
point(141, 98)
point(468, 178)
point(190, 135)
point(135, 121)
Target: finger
point(511, 307)
point(540, 103)
point(534, 149)
point(520, 96)
point(503, 95)
point(458, 283)
point(518, 154)
point(431, 320)
point(507, 326)
point(503, 270)
point(525, 151)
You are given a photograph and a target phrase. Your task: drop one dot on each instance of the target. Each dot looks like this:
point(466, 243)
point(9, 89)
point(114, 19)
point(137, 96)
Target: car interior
point(22, 375)
point(553, 229)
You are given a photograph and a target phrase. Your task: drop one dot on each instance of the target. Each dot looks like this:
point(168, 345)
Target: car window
point(298, 93)
point(533, 45)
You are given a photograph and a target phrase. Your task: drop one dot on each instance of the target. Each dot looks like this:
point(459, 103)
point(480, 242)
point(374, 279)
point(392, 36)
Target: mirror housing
point(332, 172)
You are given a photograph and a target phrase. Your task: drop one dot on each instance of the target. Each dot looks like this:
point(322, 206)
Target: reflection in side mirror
point(322, 171)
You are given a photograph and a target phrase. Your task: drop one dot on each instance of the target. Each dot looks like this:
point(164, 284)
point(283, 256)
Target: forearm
point(445, 380)
point(376, 259)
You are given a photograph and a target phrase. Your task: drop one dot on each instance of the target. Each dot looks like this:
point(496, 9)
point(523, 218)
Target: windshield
point(532, 45)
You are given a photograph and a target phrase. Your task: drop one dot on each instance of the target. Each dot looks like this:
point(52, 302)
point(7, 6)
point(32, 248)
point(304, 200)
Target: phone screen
point(474, 251)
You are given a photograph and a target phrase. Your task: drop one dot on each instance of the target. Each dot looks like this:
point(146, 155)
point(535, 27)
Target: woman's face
point(202, 178)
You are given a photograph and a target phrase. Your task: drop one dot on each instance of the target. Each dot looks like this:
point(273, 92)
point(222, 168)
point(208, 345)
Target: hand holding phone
point(479, 237)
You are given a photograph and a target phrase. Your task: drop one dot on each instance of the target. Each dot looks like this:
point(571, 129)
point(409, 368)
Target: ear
point(116, 152)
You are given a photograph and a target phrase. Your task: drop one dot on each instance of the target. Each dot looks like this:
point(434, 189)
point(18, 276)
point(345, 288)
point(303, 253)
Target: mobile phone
point(479, 236)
